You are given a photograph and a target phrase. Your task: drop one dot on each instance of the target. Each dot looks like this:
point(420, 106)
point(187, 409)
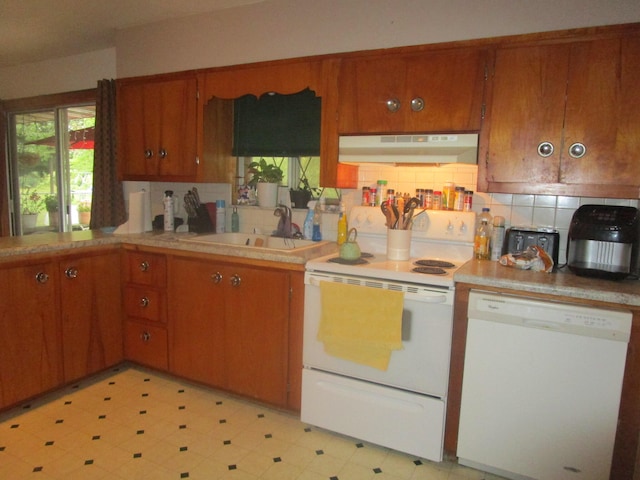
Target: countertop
point(561, 283)
point(11, 247)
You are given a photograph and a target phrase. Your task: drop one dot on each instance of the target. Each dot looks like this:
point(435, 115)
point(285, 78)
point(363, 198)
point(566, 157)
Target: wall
point(294, 28)
point(68, 74)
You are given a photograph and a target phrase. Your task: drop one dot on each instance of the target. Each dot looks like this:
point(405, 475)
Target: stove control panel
point(446, 225)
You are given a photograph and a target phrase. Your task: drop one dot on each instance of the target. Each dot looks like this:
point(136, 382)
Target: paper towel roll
point(139, 219)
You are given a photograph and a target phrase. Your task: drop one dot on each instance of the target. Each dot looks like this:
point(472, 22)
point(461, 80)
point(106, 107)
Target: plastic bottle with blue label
point(307, 227)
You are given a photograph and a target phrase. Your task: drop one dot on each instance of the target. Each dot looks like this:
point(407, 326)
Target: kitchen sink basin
point(252, 240)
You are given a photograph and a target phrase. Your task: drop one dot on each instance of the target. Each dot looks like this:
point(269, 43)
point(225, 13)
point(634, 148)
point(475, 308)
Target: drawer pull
point(145, 336)
point(71, 272)
point(216, 277)
point(42, 277)
point(144, 302)
point(236, 280)
point(144, 266)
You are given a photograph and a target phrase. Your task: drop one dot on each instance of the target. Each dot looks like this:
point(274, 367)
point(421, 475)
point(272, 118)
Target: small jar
point(391, 196)
point(459, 200)
point(437, 200)
point(420, 195)
point(428, 199)
point(468, 201)
point(366, 196)
point(373, 196)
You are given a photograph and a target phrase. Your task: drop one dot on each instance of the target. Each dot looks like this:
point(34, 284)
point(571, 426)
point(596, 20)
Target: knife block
point(202, 222)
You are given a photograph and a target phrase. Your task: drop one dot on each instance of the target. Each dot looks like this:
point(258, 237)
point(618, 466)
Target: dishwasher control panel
point(554, 316)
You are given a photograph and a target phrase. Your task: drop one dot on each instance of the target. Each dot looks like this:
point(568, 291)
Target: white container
point(168, 211)
point(398, 244)
point(497, 237)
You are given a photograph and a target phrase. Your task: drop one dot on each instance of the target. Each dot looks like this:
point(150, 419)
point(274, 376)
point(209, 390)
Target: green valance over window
point(277, 125)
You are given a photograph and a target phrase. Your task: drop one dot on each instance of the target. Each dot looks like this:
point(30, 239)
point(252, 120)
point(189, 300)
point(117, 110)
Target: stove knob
point(463, 226)
point(450, 227)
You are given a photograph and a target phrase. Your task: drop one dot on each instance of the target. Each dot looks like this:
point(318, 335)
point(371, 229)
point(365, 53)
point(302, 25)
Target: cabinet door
point(527, 109)
point(91, 314)
point(30, 343)
point(196, 321)
point(603, 102)
point(146, 344)
point(450, 84)
point(256, 330)
point(157, 129)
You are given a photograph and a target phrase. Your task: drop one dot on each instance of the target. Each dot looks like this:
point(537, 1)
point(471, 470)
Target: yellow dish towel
point(360, 324)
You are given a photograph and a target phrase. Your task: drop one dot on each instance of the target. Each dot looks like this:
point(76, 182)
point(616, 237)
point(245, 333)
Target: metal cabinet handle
point(417, 104)
point(216, 277)
point(577, 150)
point(148, 153)
point(236, 280)
point(145, 336)
point(144, 266)
point(162, 153)
point(393, 104)
point(144, 302)
point(42, 277)
point(71, 272)
point(545, 149)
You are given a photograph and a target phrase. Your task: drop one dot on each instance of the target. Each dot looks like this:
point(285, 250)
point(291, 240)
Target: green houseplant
point(32, 203)
point(51, 205)
point(266, 179)
point(300, 196)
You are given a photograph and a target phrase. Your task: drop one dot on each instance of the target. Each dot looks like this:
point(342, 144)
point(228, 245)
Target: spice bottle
point(428, 199)
point(437, 200)
point(366, 195)
point(448, 196)
point(373, 195)
point(468, 200)
point(459, 199)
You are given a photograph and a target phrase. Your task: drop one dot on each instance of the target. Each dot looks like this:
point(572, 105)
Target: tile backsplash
point(518, 210)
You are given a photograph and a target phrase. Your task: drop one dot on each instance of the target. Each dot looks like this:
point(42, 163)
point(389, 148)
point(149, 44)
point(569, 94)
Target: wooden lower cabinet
point(229, 326)
point(91, 313)
point(30, 342)
point(144, 277)
point(146, 344)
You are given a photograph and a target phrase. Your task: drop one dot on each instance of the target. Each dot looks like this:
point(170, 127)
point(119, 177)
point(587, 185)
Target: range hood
point(408, 149)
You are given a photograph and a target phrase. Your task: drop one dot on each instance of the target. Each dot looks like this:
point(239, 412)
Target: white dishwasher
point(541, 387)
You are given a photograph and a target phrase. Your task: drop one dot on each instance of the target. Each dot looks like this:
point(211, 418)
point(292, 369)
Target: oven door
point(421, 366)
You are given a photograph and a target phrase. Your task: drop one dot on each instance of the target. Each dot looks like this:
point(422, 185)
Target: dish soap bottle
point(316, 236)
point(307, 227)
point(342, 226)
point(235, 220)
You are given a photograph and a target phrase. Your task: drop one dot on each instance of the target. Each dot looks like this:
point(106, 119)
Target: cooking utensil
point(396, 216)
point(196, 195)
point(350, 250)
point(384, 206)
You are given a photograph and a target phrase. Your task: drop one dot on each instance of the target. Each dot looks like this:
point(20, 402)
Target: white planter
point(267, 194)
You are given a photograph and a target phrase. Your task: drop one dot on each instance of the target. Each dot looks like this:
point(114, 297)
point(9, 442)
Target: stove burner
point(434, 263)
point(430, 270)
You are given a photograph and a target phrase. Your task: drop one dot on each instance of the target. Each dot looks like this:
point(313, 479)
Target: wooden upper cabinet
point(157, 128)
point(434, 91)
point(547, 102)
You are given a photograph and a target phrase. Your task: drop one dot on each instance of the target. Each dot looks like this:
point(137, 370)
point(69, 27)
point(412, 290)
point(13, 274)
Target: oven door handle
point(424, 296)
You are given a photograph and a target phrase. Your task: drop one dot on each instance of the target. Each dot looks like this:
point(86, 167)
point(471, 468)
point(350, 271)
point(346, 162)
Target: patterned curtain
point(107, 202)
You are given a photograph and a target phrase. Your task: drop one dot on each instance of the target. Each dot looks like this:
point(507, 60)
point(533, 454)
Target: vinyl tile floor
point(131, 423)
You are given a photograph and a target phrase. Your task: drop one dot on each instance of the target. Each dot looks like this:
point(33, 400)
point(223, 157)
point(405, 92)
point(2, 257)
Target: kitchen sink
point(252, 240)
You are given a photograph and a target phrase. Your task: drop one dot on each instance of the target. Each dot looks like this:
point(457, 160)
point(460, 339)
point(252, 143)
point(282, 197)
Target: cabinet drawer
point(145, 269)
point(146, 344)
point(144, 302)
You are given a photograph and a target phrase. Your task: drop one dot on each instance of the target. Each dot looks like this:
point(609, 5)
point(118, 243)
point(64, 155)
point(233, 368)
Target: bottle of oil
point(481, 242)
point(342, 226)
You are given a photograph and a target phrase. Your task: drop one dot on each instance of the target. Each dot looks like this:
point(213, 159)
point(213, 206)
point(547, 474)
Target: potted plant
point(31, 205)
point(300, 196)
point(51, 206)
point(266, 179)
point(84, 212)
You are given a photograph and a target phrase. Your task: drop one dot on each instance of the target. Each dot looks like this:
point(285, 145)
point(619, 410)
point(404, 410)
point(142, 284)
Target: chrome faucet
point(284, 224)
